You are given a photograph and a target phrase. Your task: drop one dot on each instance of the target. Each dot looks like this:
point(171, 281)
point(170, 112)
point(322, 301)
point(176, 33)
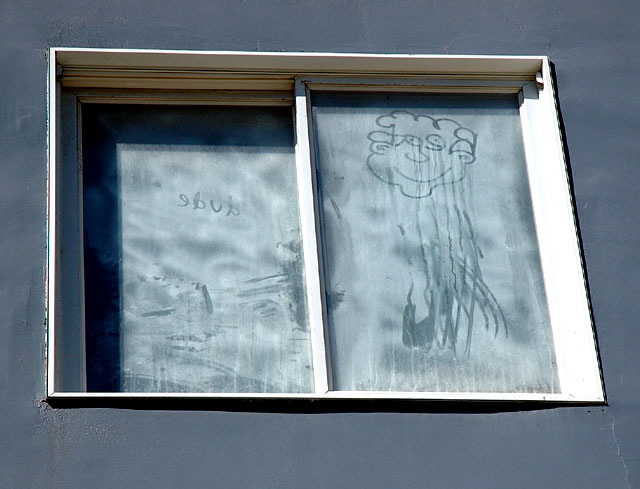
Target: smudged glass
point(433, 280)
point(194, 276)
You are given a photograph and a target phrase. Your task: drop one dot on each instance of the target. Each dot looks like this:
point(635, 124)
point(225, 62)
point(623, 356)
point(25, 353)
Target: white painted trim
point(309, 240)
point(444, 84)
point(50, 273)
point(297, 62)
point(335, 395)
point(238, 70)
point(564, 278)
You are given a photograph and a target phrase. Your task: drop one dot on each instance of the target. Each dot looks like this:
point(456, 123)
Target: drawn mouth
point(430, 180)
point(416, 160)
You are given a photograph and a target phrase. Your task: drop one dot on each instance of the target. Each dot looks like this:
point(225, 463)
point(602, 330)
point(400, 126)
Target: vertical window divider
point(82, 354)
point(52, 247)
point(309, 239)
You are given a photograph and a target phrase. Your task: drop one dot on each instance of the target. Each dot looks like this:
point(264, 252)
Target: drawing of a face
point(418, 153)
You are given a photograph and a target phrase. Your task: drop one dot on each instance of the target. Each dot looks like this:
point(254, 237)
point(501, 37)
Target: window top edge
point(295, 62)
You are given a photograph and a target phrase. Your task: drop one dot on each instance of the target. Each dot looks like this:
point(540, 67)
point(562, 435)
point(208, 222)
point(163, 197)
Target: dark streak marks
point(260, 279)
point(161, 312)
point(266, 308)
point(416, 334)
point(336, 209)
point(182, 337)
point(207, 299)
point(259, 290)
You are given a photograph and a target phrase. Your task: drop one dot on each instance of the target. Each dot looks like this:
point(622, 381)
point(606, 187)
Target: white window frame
point(155, 76)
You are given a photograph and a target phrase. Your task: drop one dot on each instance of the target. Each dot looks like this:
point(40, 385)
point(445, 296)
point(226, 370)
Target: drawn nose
point(416, 154)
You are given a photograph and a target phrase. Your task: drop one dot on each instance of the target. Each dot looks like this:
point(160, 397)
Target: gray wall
point(595, 47)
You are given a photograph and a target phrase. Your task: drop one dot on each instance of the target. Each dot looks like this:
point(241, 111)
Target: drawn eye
point(380, 148)
point(464, 156)
point(435, 142)
point(413, 140)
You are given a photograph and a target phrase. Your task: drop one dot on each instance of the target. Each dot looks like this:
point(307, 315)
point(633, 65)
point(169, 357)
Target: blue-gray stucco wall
point(595, 47)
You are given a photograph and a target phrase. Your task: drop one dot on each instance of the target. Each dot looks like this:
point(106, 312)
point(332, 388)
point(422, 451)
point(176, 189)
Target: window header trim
point(238, 70)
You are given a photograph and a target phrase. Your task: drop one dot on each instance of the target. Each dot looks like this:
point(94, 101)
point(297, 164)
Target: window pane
point(432, 271)
point(194, 277)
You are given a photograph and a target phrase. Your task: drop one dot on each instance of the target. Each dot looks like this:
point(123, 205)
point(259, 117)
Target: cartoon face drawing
point(419, 153)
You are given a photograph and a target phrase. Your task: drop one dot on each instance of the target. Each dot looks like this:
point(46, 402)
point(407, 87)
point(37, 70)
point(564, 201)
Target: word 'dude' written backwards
point(197, 203)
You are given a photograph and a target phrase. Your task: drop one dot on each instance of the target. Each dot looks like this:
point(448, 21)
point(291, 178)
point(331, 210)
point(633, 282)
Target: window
point(312, 226)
